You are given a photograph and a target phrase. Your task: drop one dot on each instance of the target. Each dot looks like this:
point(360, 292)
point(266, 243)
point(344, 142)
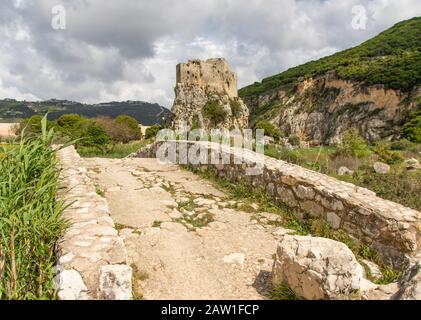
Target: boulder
point(380, 292)
point(288, 146)
point(235, 258)
point(71, 286)
point(410, 285)
point(316, 268)
point(344, 170)
point(381, 167)
point(268, 140)
point(125, 233)
point(115, 282)
point(412, 164)
point(374, 269)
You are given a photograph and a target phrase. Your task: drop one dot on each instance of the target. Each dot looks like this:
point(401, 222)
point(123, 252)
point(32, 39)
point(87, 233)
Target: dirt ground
point(6, 129)
point(184, 237)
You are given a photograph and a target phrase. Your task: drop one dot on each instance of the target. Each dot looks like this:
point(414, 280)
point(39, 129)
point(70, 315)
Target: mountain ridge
point(146, 113)
point(396, 47)
point(373, 87)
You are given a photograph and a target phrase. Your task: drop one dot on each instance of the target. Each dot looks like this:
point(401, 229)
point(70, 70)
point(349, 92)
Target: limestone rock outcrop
point(320, 109)
point(410, 286)
point(115, 282)
point(317, 268)
point(206, 96)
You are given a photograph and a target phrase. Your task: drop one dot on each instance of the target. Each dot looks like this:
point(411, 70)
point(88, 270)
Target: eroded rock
point(115, 282)
point(345, 171)
point(410, 285)
point(71, 286)
point(374, 269)
point(235, 258)
point(381, 167)
point(316, 268)
point(412, 164)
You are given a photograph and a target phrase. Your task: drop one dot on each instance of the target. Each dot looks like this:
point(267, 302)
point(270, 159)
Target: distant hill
point(146, 113)
point(373, 87)
point(393, 59)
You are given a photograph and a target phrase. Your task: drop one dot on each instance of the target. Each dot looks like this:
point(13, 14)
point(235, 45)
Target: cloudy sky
point(128, 50)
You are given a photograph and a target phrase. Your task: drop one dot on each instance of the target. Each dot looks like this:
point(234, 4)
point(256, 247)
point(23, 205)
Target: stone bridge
point(152, 230)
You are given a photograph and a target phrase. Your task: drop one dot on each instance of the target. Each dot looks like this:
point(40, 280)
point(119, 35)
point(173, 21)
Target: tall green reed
point(30, 217)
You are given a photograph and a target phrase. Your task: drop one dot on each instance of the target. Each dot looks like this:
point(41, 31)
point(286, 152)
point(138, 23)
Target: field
point(115, 151)
point(6, 129)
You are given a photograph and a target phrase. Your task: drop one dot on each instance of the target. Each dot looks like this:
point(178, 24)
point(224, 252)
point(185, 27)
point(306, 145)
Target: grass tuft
point(283, 292)
point(99, 191)
point(156, 224)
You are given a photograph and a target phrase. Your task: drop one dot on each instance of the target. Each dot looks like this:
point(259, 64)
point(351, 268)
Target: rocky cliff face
point(206, 96)
point(321, 108)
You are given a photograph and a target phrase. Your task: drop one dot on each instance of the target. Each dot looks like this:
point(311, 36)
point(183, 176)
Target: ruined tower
point(206, 96)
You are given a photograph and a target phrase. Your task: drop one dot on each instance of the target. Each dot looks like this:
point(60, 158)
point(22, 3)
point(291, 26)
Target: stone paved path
point(184, 237)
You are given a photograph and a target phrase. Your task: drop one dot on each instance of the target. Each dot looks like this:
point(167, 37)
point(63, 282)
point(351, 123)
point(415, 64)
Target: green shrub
point(113, 151)
point(31, 126)
point(152, 131)
point(70, 122)
point(382, 149)
point(71, 125)
point(294, 140)
point(412, 129)
point(236, 109)
point(271, 151)
point(283, 292)
point(123, 129)
point(95, 136)
point(353, 144)
point(30, 218)
point(195, 122)
point(400, 186)
point(34, 124)
point(292, 156)
point(214, 112)
point(401, 145)
point(133, 126)
point(270, 129)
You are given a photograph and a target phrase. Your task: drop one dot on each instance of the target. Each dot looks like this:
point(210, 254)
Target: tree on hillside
point(152, 131)
point(95, 136)
point(270, 129)
point(32, 126)
point(132, 124)
point(70, 121)
point(119, 131)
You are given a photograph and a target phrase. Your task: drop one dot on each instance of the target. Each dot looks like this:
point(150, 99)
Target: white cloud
point(113, 50)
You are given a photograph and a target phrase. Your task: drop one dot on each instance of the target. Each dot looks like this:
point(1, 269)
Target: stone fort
point(212, 75)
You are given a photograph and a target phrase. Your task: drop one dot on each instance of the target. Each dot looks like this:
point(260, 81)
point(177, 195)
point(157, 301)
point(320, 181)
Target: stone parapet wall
point(390, 228)
point(92, 262)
